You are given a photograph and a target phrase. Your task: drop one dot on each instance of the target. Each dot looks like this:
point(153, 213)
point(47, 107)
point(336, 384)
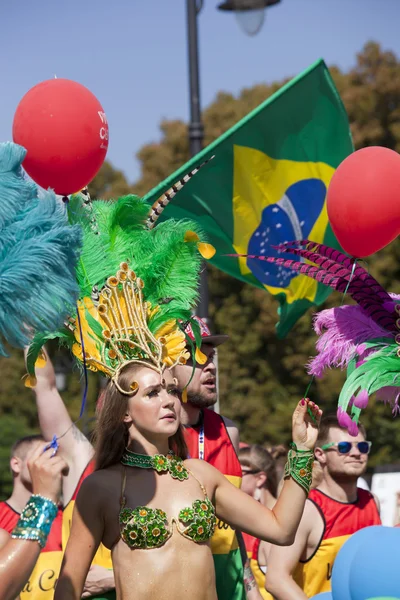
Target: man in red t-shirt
point(335, 509)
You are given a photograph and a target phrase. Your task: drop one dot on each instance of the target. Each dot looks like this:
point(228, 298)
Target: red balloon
point(363, 200)
point(64, 129)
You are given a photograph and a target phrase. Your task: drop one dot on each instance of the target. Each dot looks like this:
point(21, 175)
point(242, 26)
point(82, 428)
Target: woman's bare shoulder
point(102, 483)
point(203, 471)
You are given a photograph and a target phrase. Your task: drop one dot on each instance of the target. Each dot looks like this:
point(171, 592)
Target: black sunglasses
point(345, 447)
point(250, 472)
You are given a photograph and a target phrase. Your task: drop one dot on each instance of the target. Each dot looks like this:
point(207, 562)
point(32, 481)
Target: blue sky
point(132, 54)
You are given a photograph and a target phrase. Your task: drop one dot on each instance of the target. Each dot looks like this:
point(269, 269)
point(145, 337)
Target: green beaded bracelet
point(36, 520)
point(299, 467)
point(293, 446)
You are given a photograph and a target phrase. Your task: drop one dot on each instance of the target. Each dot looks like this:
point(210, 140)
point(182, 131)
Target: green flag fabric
point(267, 184)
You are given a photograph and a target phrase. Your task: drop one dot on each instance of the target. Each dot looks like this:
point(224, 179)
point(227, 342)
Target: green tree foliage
point(261, 377)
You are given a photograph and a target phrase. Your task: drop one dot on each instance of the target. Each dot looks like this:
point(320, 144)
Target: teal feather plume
point(38, 255)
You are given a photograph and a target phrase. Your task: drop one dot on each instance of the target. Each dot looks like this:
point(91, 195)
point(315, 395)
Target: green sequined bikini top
point(146, 528)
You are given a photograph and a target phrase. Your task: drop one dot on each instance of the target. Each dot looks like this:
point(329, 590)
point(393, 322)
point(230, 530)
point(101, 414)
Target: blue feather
point(38, 255)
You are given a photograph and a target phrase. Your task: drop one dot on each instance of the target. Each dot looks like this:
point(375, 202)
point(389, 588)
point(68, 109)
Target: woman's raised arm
point(280, 524)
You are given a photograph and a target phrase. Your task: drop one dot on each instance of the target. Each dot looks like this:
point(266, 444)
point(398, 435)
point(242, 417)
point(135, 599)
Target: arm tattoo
point(248, 578)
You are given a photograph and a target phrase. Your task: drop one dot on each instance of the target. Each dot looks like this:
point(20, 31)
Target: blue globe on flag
point(292, 218)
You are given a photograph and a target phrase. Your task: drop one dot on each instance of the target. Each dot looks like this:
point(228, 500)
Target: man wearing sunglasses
point(336, 509)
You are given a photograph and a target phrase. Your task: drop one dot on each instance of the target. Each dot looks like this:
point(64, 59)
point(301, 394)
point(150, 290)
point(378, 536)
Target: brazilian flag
point(267, 184)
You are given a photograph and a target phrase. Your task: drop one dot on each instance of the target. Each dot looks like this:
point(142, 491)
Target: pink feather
point(342, 332)
point(361, 400)
point(347, 422)
point(390, 395)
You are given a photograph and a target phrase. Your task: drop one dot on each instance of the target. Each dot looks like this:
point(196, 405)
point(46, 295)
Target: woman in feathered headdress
point(154, 508)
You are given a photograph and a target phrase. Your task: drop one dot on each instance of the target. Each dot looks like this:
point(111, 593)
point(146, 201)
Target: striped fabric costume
point(210, 440)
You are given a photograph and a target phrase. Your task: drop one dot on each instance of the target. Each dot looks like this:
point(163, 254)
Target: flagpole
point(196, 129)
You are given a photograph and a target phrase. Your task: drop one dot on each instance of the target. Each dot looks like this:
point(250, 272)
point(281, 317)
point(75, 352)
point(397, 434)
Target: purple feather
point(332, 260)
point(336, 263)
point(361, 286)
point(390, 395)
point(342, 332)
point(322, 250)
point(333, 269)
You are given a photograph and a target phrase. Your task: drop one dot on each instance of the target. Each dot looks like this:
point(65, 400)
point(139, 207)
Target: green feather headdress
point(137, 284)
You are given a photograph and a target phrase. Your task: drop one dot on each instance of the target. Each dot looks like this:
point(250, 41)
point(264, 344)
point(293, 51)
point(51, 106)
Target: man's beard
point(345, 478)
point(200, 401)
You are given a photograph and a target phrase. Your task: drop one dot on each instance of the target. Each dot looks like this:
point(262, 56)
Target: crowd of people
point(256, 550)
point(164, 502)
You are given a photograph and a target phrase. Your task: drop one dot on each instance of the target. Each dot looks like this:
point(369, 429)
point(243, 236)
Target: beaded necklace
point(160, 463)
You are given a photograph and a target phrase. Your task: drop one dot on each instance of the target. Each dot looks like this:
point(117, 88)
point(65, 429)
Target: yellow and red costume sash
point(210, 441)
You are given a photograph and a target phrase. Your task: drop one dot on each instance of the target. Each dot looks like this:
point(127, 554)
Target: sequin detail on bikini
point(147, 528)
point(202, 521)
point(144, 527)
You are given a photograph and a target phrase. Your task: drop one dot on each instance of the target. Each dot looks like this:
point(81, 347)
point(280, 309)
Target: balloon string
point(308, 388)
point(85, 391)
point(54, 442)
point(341, 304)
point(350, 280)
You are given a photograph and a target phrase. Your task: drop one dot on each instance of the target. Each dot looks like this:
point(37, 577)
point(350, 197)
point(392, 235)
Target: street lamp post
point(196, 130)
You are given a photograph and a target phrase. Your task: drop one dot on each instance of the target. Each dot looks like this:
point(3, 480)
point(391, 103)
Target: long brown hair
point(258, 458)
point(111, 433)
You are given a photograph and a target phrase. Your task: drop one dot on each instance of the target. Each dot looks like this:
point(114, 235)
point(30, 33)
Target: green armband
point(299, 467)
